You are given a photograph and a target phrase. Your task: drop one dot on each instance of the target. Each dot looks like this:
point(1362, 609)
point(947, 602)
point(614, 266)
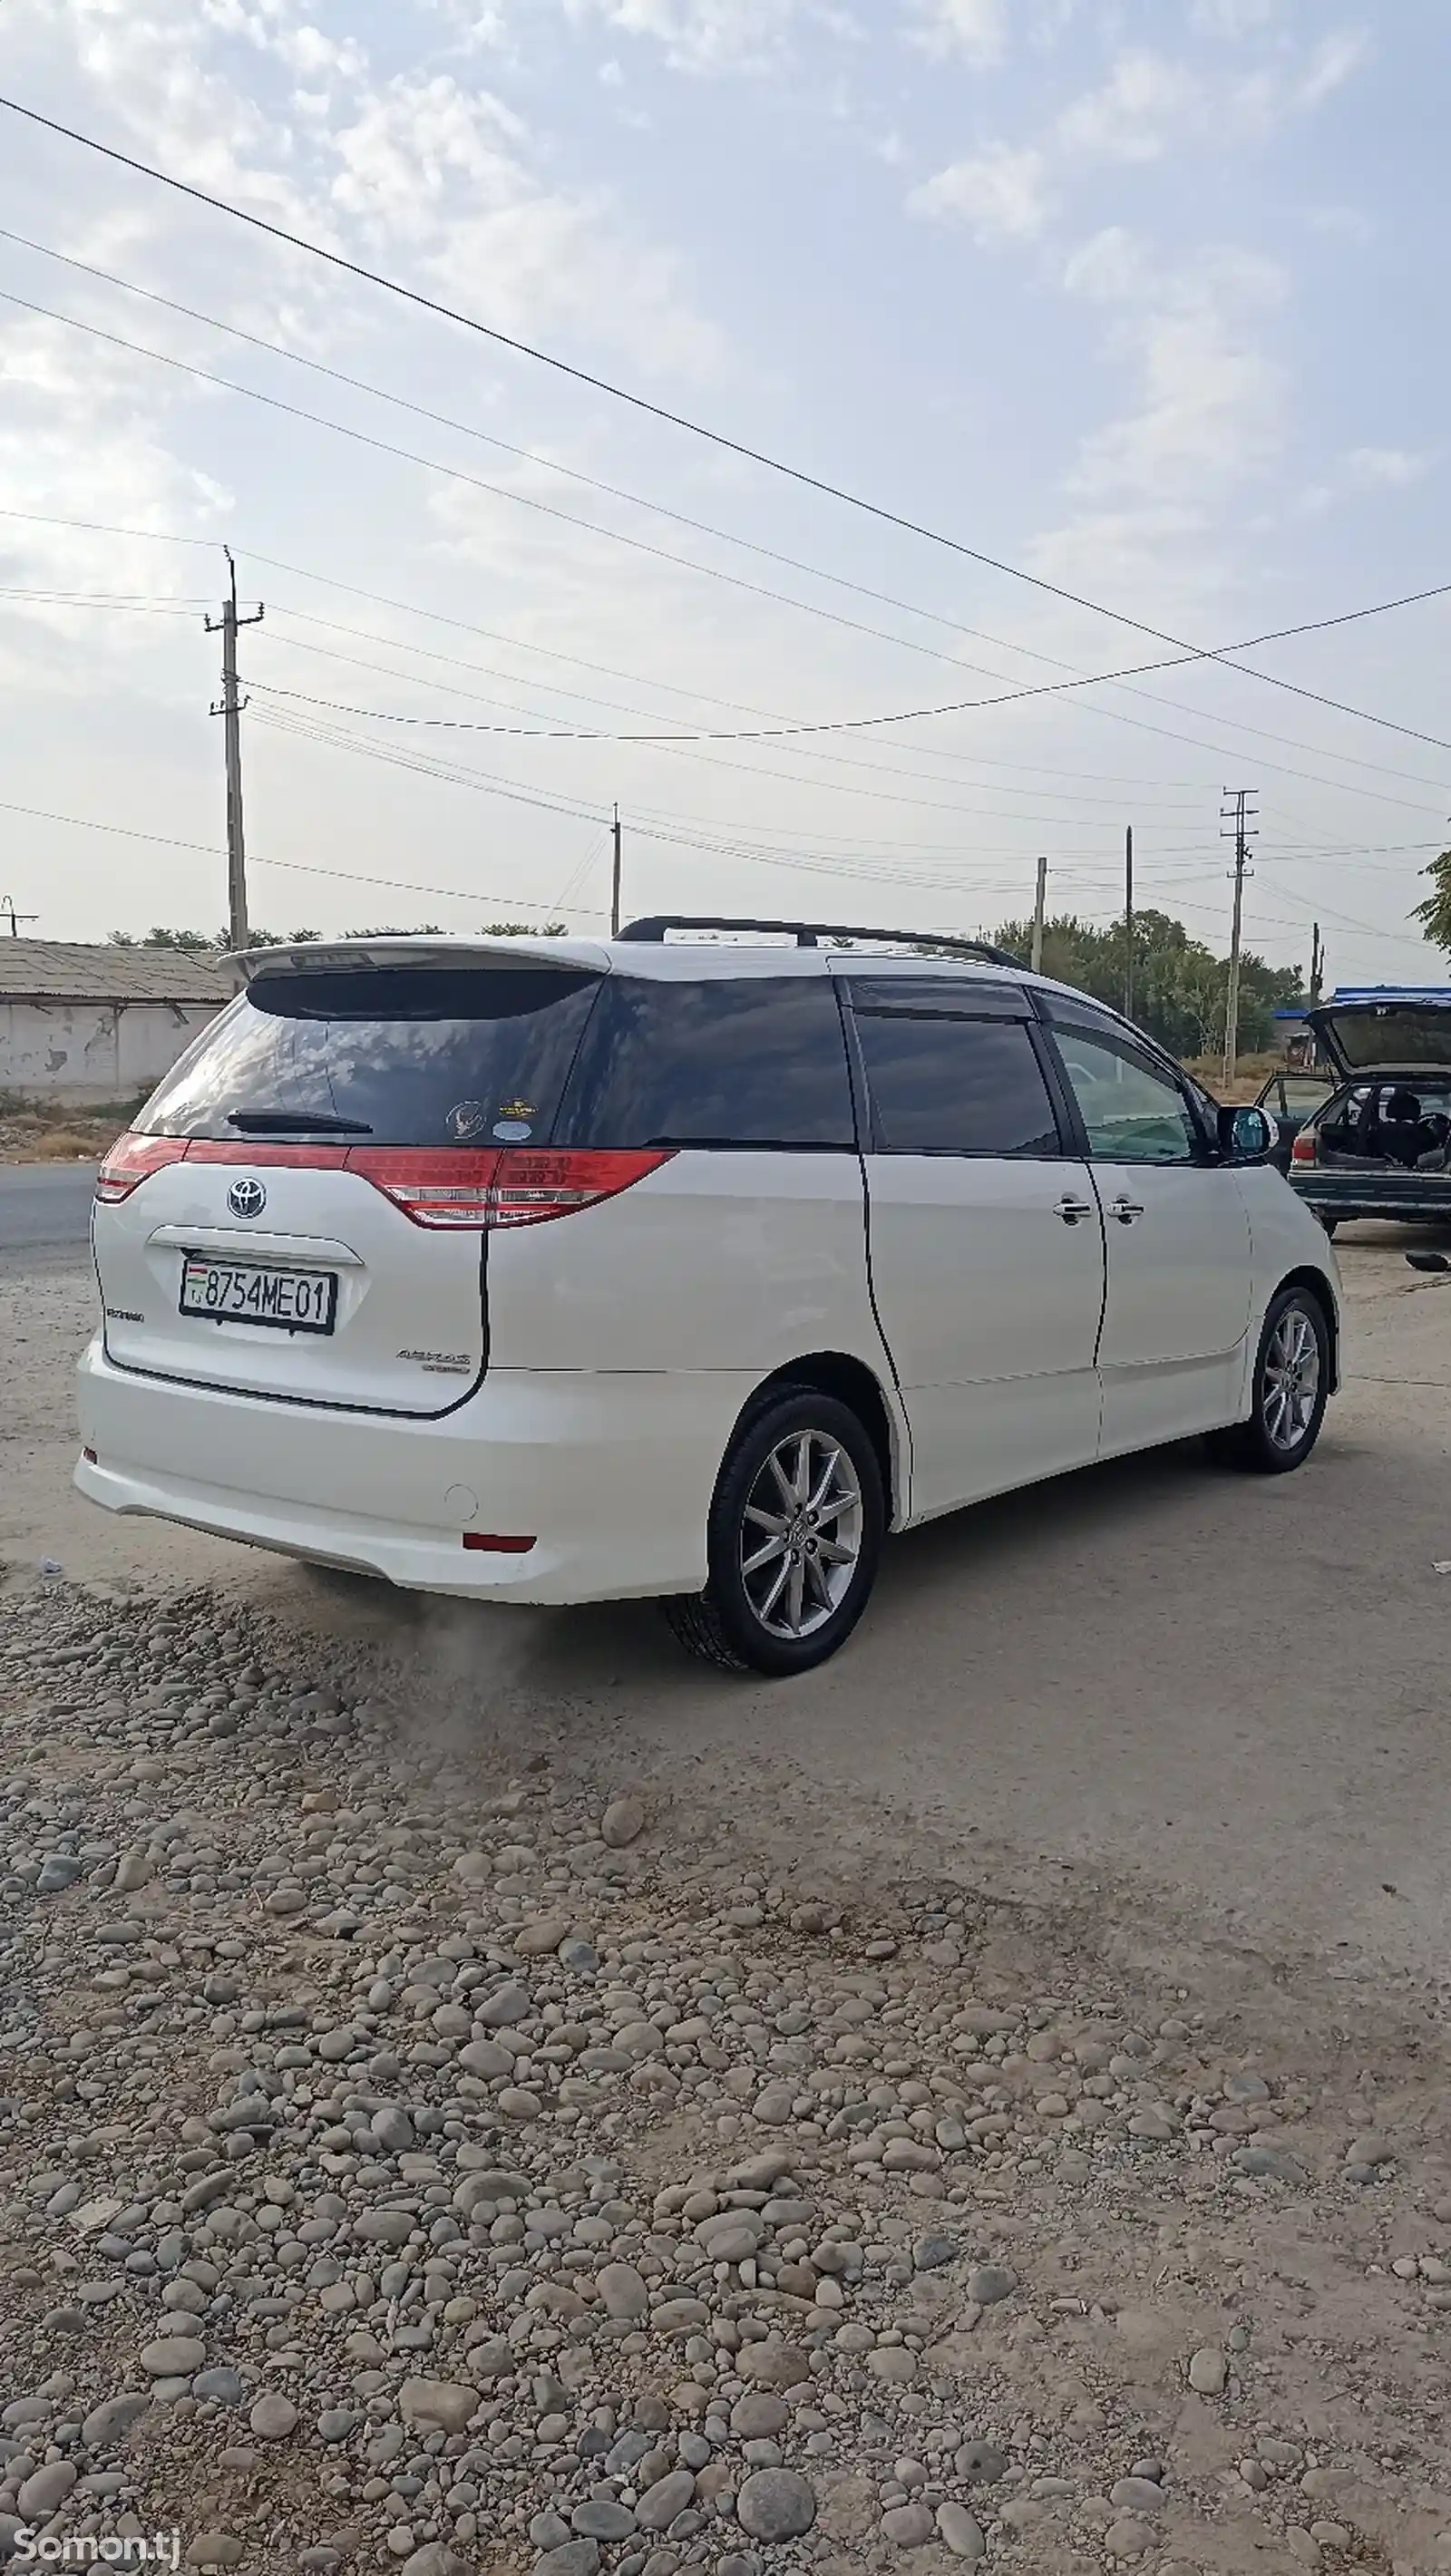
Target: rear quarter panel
point(726, 1260)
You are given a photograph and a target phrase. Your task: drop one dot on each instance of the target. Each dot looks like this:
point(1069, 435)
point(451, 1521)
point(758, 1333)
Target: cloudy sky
point(1139, 299)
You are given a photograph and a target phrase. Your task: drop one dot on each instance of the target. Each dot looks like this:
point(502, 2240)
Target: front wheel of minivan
point(794, 1539)
point(1291, 1384)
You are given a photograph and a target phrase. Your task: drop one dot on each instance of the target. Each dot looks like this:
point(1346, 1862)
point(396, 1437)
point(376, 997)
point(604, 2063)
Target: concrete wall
point(69, 1053)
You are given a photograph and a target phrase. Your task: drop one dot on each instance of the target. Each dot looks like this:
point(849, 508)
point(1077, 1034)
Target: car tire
point(779, 1598)
point(1291, 1386)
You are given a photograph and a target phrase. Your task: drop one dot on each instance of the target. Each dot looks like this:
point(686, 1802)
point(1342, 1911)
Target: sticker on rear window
point(513, 1131)
point(466, 1118)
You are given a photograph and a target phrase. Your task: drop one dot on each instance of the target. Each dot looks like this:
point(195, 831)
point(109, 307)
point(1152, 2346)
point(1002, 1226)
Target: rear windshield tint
point(732, 1061)
point(402, 1055)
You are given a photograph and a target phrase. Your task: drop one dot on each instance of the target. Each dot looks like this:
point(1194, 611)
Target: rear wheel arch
point(855, 1385)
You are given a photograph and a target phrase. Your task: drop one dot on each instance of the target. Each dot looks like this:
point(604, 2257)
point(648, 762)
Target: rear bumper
point(610, 1473)
point(1421, 1199)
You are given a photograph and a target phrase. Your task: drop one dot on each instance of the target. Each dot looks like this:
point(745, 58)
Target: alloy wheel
point(801, 1534)
point(1291, 1385)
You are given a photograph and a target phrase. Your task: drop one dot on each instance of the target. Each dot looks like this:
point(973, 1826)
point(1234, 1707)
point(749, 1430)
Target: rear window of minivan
point(397, 1055)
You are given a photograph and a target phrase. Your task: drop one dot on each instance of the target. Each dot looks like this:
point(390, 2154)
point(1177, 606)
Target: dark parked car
point(1292, 1097)
point(1380, 1144)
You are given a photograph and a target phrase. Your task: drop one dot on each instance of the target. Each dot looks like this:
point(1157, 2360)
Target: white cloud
point(973, 29)
point(1111, 268)
point(1388, 468)
point(1332, 63)
point(1206, 417)
point(1002, 195)
point(1233, 18)
point(701, 36)
point(1134, 116)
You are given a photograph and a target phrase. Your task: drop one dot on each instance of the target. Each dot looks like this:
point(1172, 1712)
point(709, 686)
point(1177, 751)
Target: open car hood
point(1374, 1031)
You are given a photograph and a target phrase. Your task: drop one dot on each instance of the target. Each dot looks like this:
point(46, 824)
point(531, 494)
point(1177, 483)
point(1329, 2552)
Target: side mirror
point(1247, 1135)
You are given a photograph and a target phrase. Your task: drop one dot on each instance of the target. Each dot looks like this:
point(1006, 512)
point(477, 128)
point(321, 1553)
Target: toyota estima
point(562, 1270)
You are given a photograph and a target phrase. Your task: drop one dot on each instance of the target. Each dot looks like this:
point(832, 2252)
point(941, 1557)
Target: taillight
point(530, 1187)
point(435, 1186)
point(1303, 1149)
point(131, 1160)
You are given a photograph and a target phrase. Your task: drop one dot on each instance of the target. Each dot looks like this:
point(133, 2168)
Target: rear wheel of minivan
point(794, 1538)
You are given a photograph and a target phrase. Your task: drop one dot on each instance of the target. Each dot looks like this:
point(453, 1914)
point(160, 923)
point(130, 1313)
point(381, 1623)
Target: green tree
point(1180, 987)
point(1435, 913)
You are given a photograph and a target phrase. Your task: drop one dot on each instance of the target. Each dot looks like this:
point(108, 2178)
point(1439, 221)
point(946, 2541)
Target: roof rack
point(808, 934)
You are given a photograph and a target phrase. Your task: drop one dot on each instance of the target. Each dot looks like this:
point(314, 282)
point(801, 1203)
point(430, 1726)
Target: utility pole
point(1128, 921)
point(1039, 902)
point(1236, 822)
point(230, 711)
point(615, 877)
point(9, 913)
point(1317, 963)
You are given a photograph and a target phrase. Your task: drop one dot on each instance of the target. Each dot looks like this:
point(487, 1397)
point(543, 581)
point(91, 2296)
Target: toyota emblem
point(246, 1198)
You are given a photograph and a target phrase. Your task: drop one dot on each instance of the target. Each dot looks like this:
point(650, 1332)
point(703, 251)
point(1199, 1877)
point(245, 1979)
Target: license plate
point(244, 1292)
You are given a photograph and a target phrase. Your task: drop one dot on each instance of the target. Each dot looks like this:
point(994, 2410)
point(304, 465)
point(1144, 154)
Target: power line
point(678, 420)
point(679, 518)
point(1110, 715)
point(1219, 656)
point(299, 867)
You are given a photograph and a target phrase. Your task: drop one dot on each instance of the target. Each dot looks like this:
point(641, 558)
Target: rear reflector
point(485, 1545)
point(131, 1160)
point(1303, 1150)
point(90, 1457)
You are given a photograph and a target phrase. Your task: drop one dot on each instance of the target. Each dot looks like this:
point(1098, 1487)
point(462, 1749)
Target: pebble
point(455, 2189)
point(46, 2488)
point(174, 2357)
point(442, 2405)
point(1129, 2537)
point(660, 2503)
point(273, 2417)
point(775, 2504)
point(908, 2526)
point(990, 2283)
point(961, 2532)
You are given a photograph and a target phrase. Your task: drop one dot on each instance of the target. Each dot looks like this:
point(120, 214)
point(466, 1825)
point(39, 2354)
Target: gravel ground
point(422, 2145)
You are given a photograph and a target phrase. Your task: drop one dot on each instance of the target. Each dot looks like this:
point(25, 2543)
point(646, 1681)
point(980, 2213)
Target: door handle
point(1126, 1210)
point(1071, 1210)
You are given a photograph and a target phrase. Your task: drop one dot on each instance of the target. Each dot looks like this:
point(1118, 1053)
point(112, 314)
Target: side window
point(944, 1085)
point(730, 1060)
point(1134, 1111)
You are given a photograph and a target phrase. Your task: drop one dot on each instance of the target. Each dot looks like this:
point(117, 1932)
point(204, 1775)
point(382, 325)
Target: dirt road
point(1226, 1690)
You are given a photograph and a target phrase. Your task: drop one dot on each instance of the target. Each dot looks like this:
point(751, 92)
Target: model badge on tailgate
point(445, 1363)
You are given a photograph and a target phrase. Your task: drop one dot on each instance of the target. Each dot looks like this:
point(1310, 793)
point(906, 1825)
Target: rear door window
point(726, 1061)
point(942, 1083)
point(405, 1055)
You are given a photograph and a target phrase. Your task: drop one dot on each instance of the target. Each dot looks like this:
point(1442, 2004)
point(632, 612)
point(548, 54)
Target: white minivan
point(686, 1263)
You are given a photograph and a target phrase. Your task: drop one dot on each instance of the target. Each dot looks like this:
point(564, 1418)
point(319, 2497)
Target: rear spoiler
point(338, 956)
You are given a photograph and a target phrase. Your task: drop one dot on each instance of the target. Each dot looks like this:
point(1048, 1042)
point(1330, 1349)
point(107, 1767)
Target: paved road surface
point(1229, 1693)
point(45, 1206)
